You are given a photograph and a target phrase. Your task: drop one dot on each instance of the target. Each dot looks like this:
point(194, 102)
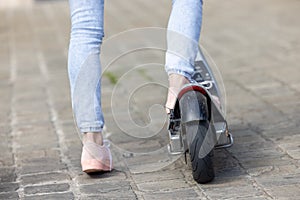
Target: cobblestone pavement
point(255, 43)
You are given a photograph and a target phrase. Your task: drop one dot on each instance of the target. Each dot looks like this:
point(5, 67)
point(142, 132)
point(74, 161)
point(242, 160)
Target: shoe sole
point(90, 166)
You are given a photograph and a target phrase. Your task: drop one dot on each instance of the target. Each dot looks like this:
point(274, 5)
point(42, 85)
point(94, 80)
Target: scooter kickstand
point(185, 158)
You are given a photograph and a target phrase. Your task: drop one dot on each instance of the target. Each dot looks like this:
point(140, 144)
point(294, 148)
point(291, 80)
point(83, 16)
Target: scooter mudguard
point(194, 102)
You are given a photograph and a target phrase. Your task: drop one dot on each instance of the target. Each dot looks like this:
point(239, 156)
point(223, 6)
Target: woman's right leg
point(182, 37)
point(85, 80)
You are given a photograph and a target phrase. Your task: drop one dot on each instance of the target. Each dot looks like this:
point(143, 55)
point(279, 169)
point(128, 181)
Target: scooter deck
point(204, 77)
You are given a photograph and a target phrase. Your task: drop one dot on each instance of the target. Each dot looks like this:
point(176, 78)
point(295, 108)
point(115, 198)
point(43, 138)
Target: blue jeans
point(84, 65)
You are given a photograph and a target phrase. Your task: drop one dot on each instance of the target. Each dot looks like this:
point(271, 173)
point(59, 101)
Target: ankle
point(176, 82)
point(95, 137)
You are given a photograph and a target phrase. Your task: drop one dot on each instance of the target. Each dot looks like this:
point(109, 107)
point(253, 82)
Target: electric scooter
point(197, 123)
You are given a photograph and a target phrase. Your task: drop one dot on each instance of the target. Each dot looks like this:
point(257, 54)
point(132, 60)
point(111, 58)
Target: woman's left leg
point(85, 80)
point(183, 36)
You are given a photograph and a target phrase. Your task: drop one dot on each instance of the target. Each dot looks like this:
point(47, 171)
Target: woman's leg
point(84, 63)
point(183, 36)
point(85, 80)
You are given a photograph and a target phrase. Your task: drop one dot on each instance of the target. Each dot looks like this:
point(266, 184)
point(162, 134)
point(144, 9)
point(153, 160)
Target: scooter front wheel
point(197, 135)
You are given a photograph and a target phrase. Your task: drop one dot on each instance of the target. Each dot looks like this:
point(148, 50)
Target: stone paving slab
point(255, 44)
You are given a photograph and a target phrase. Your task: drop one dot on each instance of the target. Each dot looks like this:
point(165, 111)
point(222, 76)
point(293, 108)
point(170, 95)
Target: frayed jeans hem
point(91, 127)
point(180, 72)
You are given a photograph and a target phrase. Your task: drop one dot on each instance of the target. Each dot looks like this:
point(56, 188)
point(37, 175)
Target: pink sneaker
point(96, 158)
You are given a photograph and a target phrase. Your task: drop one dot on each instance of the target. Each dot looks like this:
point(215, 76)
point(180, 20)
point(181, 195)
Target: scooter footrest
point(175, 146)
point(225, 143)
point(224, 138)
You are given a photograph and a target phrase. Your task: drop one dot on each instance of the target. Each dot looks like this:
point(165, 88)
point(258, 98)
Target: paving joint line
point(255, 185)
point(133, 185)
point(278, 148)
point(13, 123)
point(60, 135)
point(54, 118)
point(261, 99)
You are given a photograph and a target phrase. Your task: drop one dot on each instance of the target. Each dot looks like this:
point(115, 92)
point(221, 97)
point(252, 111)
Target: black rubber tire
point(203, 171)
